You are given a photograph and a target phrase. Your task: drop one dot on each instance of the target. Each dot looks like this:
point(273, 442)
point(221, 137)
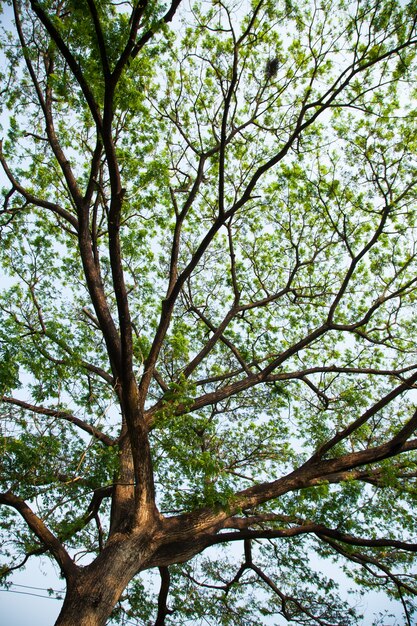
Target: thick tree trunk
point(94, 590)
point(82, 611)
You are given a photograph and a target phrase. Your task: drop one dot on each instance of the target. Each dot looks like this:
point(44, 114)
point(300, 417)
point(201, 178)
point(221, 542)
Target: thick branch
point(42, 532)
point(163, 609)
point(150, 33)
point(69, 58)
point(308, 474)
point(100, 38)
point(62, 415)
point(316, 529)
point(36, 201)
point(405, 386)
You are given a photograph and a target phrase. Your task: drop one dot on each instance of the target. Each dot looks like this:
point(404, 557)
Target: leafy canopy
point(212, 206)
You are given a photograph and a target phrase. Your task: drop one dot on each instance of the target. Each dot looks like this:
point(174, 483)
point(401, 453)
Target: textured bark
point(93, 591)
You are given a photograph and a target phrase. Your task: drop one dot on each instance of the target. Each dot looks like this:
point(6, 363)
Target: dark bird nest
point(271, 68)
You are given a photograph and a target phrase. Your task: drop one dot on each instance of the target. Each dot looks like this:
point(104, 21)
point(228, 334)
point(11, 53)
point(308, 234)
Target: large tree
point(208, 330)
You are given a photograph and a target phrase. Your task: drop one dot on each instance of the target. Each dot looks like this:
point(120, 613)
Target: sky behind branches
point(20, 608)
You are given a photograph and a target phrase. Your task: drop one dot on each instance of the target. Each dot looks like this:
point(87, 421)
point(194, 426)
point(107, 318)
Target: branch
point(150, 33)
point(92, 274)
point(31, 199)
point(305, 527)
point(375, 476)
point(46, 106)
point(64, 415)
point(365, 561)
point(285, 599)
point(180, 217)
point(308, 474)
point(405, 386)
point(322, 104)
point(163, 609)
point(100, 39)
point(254, 379)
point(5, 569)
point(94, 369)
point(301, 374)
point(72, 63)
point(216, 336)
point(95, 164)
point(47, 538)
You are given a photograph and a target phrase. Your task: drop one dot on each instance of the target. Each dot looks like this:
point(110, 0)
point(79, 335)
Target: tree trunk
point(93, 591)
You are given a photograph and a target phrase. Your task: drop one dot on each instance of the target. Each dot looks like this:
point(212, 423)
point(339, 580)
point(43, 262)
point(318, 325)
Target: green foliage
point(9, 372)
point(275, 212)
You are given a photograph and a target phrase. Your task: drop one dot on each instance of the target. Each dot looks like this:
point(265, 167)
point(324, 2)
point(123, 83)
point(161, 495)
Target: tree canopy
point(208, 321)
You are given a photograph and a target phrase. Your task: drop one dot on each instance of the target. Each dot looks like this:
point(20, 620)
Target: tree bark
point(93, 592)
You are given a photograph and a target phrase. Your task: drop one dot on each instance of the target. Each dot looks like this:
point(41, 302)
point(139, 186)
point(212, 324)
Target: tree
point(208, 330)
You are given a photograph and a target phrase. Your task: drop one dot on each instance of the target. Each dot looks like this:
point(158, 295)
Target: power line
point(27, 593)
point(36, 595)
point(38, 588)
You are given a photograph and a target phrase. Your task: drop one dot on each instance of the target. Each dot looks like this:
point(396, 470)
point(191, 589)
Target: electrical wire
point(37, 588)
point(27, 593)
point(36, 595)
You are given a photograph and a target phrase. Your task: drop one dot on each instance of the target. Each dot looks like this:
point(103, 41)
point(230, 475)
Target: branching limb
point(373, 476)
point(301, 374)
point(163, 609)
point(93, 508)
point(6, 569)
point(180, 217)
point(367, 562)
point(254, 379)
point(309, 473)
point(300, 527)
point(95, 165)
point(288, 603)
point(70, 59)
point(378, 406)
point(45, 101)
point(35, 200)
point(150, 33)
point(81, 225)
point(62, 415)
point(217, 334)
point(287, 600)
point(89, 367)
point(48, 539)
point(100, 39)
